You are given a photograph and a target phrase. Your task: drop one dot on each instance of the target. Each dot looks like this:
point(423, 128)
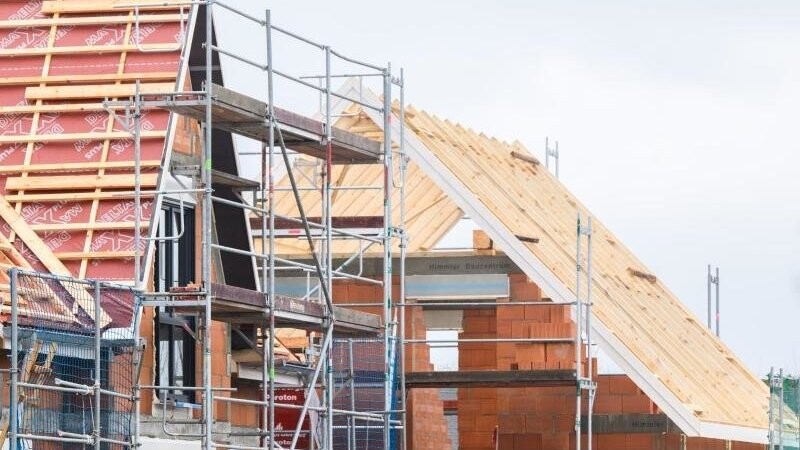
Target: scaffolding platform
point(233, 304)
point(246, 116)
point(493, 378)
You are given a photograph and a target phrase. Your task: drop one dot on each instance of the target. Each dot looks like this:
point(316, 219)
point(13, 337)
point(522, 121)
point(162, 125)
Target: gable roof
point(430, 214)
point(644, 328)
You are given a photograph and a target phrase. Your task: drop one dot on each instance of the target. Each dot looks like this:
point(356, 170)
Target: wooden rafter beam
point(88, 226)
point(71, 137)
point(78, 182)
point(93, 20)
point(95, 91)
point(60, 108)
point(73, 196)
point(91, 6)
point(91, 49)
point(76, 167)
point(91, 78)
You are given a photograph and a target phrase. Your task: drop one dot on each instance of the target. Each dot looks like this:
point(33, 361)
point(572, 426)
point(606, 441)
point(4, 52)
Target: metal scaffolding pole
point(403, 250)
point(578, 334)
point(387, 250)
point(269, 273)
point(207, 224)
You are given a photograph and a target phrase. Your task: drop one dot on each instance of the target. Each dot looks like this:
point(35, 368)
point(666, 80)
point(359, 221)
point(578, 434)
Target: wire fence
point(74, 351)
point(360, 379)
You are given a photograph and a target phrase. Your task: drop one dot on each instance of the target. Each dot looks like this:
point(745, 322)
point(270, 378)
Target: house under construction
point(159, 291)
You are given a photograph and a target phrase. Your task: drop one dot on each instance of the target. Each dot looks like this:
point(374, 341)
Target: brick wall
point(543, 418)
point(426, 426)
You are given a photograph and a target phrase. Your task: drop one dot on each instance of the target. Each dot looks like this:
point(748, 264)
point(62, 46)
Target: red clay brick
point(511, 423)
point(612, 442)
point(555, 442)
point(559, 351)
point(529, 441)
point(639, 441)
point(524, 292)
point(608, 404)
point(538, 423)
point(621, 384)
point(636, 404)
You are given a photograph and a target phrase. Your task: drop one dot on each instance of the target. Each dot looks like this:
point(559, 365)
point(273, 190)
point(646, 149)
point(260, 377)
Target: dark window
point(174, 266)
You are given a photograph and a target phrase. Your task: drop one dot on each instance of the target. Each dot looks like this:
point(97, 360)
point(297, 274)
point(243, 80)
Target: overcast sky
point(677, 123)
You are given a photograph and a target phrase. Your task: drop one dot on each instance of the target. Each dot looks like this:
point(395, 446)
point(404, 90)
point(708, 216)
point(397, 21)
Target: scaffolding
point(71, 377)
point(283, 134)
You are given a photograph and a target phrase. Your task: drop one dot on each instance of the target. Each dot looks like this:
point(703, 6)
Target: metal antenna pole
point(708, 285)
point(558, 157)
point(712, 279)
point(548, 152)
point(716, 282)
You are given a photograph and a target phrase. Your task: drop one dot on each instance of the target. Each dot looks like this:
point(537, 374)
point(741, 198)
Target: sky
point(677, 122)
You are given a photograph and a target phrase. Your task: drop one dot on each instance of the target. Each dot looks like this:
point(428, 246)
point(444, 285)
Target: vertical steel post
point(328, 242)
point(558, 160)
point(270, 275)
point(137, 390)
point(771, 413)
point(401, 356)
point(716, 282)
point(137, 171)
point(708, 283)
point(547, 152)
point(13, 400)
point(780, 409)
point(589, 362)
point(578, 334)
point(98, 334)
point(208, 410)
point(351, 420)
point(387, 250)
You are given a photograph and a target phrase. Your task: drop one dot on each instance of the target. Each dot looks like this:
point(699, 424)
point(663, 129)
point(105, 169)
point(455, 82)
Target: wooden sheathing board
point(655, 327)
point(66, 164)
point(429, 213)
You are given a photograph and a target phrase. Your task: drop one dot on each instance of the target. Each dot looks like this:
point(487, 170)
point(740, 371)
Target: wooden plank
point(76, 182)
point(88, 226)
point(73, 196)
point(69, 137)
point(95, 91)
point(91, 20)
point(91, 6)
point(76, 167)
point(491, 378)
point(48, 259)
point(59, 108)
point(92, 49)
point(66, 256)
point(91, 78)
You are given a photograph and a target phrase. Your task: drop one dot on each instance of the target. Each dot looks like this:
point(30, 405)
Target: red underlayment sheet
point(69, 206)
